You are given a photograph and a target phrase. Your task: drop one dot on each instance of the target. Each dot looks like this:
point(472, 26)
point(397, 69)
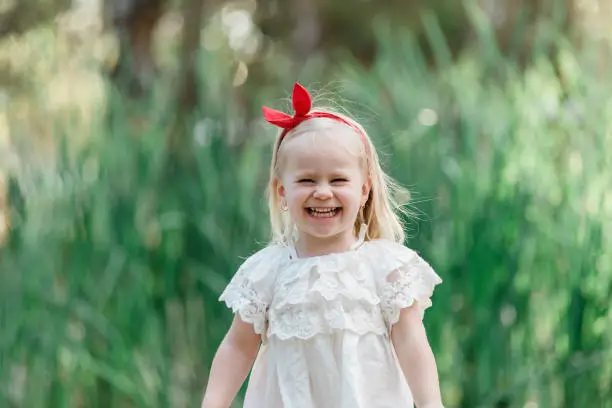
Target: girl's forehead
point(321, 149)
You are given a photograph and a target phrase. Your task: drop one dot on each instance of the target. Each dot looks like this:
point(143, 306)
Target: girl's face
point(322, 181)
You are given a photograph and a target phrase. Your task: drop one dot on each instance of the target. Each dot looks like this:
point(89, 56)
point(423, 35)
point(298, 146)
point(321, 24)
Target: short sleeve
point(249, 292)
point(404, 277)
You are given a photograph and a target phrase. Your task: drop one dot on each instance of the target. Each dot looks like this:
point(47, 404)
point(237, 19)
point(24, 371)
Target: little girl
point(336, 301)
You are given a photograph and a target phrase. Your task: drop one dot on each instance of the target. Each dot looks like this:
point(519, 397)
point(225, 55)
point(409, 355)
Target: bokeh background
point(134, 157)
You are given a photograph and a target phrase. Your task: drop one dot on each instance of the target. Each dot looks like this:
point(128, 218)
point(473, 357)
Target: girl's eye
point(339, 180)
point(306, 181)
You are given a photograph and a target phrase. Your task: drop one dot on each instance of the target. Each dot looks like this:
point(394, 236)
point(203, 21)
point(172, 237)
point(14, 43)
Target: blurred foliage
point(18, 16)
point(129, 217)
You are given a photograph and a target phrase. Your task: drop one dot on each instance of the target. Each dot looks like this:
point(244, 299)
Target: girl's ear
point(280, 189)
point(365, 191)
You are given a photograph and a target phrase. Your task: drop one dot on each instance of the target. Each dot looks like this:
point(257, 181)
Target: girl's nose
point(323, 192)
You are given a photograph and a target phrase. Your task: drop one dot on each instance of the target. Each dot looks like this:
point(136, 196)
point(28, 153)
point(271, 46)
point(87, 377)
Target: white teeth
point(323, 212)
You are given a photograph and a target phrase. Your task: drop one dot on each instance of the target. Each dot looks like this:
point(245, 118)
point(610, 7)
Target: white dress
point(325, 323)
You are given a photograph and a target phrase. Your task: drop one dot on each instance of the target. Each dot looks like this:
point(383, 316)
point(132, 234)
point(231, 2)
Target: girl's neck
point(308, 246)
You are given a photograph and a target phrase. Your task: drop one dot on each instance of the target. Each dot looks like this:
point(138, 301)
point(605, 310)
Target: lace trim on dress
point(317, 296)
point(250, 290)
point(361, 290)
point(245, 301)
point(409, 278)
point(306, 321)
point(415, 281)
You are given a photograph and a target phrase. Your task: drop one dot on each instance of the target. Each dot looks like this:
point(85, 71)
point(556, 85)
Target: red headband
point(302, 103)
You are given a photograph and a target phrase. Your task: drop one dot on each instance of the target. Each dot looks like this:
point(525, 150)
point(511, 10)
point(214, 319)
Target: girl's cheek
point(301, 190)
point(297, 192)
point(346, 190)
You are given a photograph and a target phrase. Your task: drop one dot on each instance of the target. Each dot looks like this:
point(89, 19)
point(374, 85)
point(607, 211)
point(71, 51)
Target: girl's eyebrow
point(302, 175)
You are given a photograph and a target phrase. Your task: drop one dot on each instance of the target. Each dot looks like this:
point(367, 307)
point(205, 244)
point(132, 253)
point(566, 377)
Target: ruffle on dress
point(407, 278)
point(250, 290)
point(361, 290)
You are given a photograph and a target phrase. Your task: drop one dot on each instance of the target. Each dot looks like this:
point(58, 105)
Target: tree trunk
point(192, 24)
point(178, 140)
point(134, 22)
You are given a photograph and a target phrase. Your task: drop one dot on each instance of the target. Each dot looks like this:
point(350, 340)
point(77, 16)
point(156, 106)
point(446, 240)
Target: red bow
point(302, 103)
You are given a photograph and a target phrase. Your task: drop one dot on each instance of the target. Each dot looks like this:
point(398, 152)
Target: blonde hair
point(381, 212)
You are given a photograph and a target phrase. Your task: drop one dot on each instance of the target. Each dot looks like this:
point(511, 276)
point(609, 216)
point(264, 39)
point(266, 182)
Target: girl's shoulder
point(270, 252)
point(262, 265)
point(249, 291)
point(404, 275)
point(385, 254)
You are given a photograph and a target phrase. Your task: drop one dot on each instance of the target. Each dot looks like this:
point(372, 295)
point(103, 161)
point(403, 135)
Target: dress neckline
point(354, 246)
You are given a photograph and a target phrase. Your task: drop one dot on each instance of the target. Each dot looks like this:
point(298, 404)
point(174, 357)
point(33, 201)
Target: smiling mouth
point(323, 212)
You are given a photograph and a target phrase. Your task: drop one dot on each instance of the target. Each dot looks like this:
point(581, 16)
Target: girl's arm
point(231, 364)
point(416, 358)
